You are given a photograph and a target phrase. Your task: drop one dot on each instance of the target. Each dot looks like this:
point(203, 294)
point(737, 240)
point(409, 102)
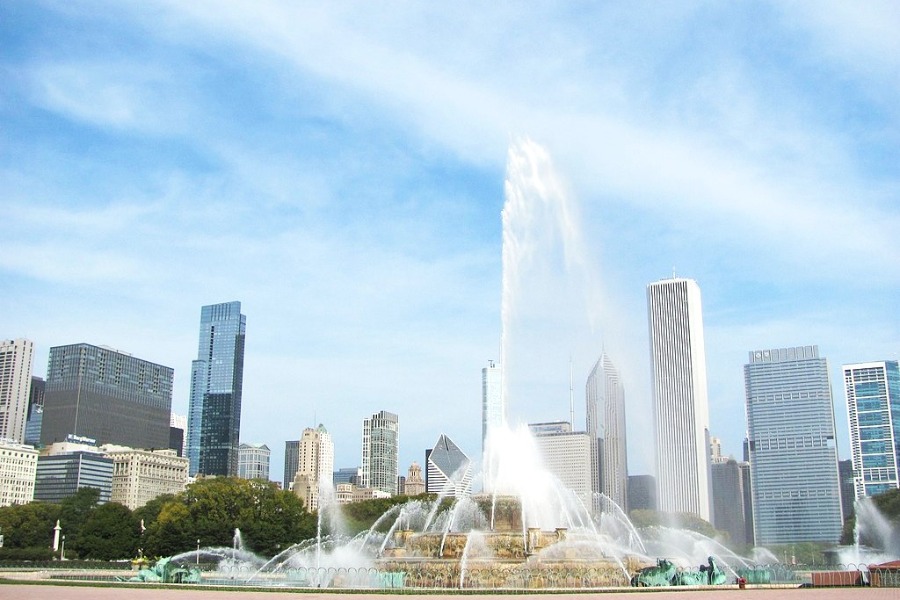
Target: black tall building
point(107, 395)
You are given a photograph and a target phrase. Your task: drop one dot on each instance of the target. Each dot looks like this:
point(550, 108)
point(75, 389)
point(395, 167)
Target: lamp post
point(62, 548)
point(198, 553)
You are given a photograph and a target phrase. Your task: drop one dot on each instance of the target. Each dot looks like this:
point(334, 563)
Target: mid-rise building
point(728, 499)
point(566, 455)
point(217, 378)
point(493, 411)
point(315, 465)
point(139, 476)
point(253, 461)
point(449, 470)
point(414, 484)
point(18, 469)
point(108, 395)
point(16, 357)
point(348, 475)
point(380, 452)
point(680, 403)
point(873, 408)
point(59, 476)
point(793, 456)
point(605, 414)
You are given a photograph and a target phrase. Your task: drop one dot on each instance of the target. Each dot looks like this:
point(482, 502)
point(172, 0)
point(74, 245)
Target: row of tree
point(207, 512)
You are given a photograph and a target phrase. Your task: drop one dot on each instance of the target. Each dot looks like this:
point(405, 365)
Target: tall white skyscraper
point(605, 411)
point(680, 404)
point(16, 358)
point(793, 457)
point(493, 413)
point(380, 452)
point(315, 464)
point(873, 407)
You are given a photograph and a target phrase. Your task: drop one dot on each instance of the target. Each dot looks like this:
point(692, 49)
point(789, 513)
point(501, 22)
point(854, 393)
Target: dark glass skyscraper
point(214, 419)
point(106, 395)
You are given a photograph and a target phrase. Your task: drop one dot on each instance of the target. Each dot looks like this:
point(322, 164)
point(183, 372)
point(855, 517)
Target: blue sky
point(339, 168)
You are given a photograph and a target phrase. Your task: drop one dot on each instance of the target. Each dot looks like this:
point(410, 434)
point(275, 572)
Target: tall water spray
point(538, 217)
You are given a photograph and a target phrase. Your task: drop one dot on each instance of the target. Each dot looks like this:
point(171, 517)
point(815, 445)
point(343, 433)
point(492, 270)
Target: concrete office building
point(380, 452)
point(873, 408)
point(793, 456)
point(16, 358)
point(217, 378)
point(139, 476)
point(680, 404)
point(18, 470)
point(566, 455)
point(107, 395)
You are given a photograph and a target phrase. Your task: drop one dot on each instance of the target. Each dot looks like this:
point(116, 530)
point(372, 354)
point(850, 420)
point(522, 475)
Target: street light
point(62, 548)
point(198, 553)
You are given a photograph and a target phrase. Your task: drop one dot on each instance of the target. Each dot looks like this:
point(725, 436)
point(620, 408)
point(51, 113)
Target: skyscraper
point(107, 395)
point(449, 470)
point(291, 462)
point(35, 411)
point(15, 384)
point(605, 412)
point(380, 452)
point(214, 418)
point(493, 413)
point(680, 405)
point(873, 407)
point(793, 458)
point(315, 466)
point(728, 499)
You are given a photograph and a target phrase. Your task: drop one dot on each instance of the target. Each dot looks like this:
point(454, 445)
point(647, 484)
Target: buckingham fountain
point(523, 530)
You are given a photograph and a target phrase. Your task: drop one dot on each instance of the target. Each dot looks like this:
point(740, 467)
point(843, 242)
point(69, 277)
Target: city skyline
point(343, 176)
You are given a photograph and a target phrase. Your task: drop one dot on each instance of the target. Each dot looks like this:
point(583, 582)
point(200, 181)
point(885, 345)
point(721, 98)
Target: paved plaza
point(15, 591)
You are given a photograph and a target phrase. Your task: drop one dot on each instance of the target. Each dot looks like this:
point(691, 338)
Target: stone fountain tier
point(456, 545)
point(532, 573)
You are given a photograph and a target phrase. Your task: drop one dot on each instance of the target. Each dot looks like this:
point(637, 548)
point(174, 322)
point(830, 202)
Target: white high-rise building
point(15, 384)
point(605, 410)
point(18, 470)
point(680, 403)
point(493, 413)
point(449, 469)
point(873, 408)
point(380, 452)
point(315, 465)
point(253, 461)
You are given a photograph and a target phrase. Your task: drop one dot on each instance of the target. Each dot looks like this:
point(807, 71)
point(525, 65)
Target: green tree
point(74, 512)
point(28, 525)
point(210, 510)
point(109, 532)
